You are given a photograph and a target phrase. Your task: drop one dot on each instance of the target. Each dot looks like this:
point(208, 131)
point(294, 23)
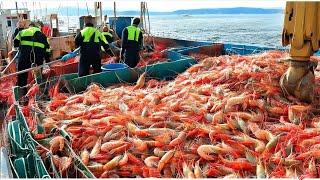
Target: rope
point(146, 21)
point(30, 69)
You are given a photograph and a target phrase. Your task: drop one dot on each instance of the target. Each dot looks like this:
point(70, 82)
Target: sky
point(153, 5)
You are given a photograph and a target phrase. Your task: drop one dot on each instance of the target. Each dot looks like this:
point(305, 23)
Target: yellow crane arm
point(302, 29)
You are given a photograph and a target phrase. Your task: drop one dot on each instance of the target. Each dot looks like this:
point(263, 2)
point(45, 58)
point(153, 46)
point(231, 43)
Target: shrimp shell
point(152, 161)
point(85, 156)
point(56, 144)
point(165, 159)
point(96, 149)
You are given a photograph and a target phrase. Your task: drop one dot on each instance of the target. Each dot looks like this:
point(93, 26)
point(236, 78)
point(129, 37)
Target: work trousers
point(25, 63)
point(131, 58)
point(86, 62)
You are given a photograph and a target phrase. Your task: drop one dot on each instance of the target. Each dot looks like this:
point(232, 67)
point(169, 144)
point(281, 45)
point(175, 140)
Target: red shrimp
point(89, 142)
point(112, 163)
point(108, 146)
point(197, 132)
point(138, 144)
point(151, 161)
point(180, 139)
point(140, 82)
point(33, 91)
point(96, 148)
point(165, 159)
point(57, 144)
point(238, 164)
point(134, 159)
point(85, 157)
point(151, 172)
point(63, 163)
point(124, 159)
point(55, 91)
point(309, 154)
point(120, 149)
point(101, 157)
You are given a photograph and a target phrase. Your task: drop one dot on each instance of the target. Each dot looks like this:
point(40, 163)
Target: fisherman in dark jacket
point(132, 43)
point(34, 49)
point(90, 40)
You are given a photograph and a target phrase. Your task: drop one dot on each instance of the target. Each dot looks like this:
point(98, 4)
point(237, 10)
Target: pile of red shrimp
point(6, 86)
point(224, 117)
point(154, 57)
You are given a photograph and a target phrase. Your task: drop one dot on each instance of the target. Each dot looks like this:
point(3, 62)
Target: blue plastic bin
point(113, 67)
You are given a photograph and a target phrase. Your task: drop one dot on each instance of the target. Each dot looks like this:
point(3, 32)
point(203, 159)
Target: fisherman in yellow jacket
point(90, 40)
point(34, 49)
point(132, 43)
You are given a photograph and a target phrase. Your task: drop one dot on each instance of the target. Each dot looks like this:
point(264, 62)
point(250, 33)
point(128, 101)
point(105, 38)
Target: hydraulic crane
point(301, 30)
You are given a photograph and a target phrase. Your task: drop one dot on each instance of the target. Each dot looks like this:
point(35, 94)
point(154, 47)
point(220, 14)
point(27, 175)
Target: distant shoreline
point(64, 11)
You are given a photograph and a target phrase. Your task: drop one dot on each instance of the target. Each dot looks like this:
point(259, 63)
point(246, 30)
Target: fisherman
point(21, 25)
point(107, 34)
point(132, 43)
point(90, 41)
point(34, 49)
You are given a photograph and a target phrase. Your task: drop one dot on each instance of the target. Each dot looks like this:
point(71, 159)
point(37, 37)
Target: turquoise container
point(120, 23)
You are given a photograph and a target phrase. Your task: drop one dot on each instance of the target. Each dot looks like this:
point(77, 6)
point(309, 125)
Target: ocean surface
point(263, 29)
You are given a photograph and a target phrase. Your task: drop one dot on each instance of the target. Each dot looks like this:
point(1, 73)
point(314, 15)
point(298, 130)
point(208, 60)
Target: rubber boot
point(299, 80)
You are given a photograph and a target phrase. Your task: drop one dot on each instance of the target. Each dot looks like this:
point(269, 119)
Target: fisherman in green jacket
point(34, 49)
point(90, 40)
point(132, 43)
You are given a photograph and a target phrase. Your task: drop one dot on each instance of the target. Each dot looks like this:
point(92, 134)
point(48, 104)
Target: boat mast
point(68, 18)
point(115, 16)
point(87, 9)
point(98, 13)
point(17, 9)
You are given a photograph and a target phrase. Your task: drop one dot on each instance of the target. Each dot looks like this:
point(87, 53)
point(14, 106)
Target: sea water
point(263, 29)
